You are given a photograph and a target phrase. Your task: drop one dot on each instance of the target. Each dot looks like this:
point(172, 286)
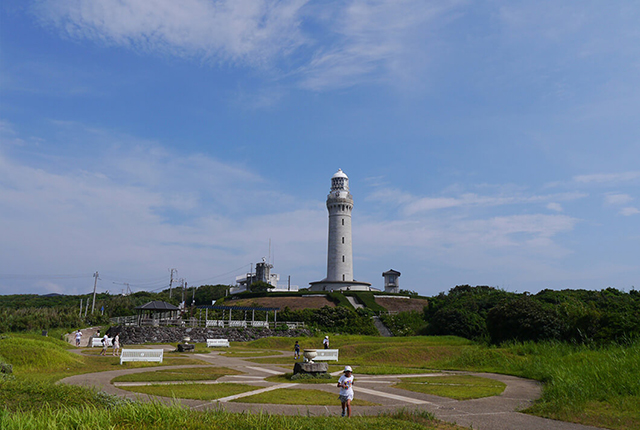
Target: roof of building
point(391, 272)
point(158, 305)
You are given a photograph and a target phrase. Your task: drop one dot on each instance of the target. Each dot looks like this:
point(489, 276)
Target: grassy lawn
point(193, 391)
point(249, 353)
point(591, 385)
point(459, 387)
point(286, 378)
point(154, 416)
point(288, 396)
point(186, 374)
point(586, 384)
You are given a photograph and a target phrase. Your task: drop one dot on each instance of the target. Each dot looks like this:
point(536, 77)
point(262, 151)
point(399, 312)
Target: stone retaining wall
point(130, 335)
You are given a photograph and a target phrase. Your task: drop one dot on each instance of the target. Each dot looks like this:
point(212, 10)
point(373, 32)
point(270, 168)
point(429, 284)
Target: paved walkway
point(490, 413)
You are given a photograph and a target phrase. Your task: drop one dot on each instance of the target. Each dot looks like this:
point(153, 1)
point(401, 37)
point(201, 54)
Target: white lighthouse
point(340, 251)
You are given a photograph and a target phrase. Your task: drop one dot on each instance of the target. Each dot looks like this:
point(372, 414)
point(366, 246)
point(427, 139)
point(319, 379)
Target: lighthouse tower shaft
point(340, 252)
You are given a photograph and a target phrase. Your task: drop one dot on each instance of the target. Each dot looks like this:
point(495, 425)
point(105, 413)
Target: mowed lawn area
point(594, 385)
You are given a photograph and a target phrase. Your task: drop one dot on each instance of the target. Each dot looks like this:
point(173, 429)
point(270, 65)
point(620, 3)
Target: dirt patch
point(402, 305)
point(294, 303)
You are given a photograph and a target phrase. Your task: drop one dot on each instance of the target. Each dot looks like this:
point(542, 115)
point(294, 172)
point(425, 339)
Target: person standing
point(78, 337)
point(345, 383)
point(325, 342)
point(296, 351)
point(116, 345)
point(105, 345)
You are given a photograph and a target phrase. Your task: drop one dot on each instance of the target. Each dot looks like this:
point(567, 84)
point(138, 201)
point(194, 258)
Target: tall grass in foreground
point(157, 416)
point(578, 379)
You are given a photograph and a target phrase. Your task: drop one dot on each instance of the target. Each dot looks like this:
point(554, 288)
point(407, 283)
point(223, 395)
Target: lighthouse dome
point(340, 174)
point(340, 182)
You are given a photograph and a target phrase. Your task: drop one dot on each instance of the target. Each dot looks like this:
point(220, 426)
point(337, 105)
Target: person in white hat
point(325, 342)
point(345, 383)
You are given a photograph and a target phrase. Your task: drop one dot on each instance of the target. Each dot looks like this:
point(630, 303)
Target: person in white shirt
point(78, 337)
point(105, 345)
point(325, 342)
point(116, 345)
point(345, 383)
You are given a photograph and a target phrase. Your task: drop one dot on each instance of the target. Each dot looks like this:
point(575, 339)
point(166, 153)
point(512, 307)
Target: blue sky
point(487, 143)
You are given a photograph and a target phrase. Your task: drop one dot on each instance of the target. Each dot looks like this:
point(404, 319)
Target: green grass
point(192, 391)
point(48, 359)
point(155, 416)
point(30, 395)
point(185, 374)
point(459, 387)
point(286, 378)
point(287, 396)
point(596, 386)
point(253, 353)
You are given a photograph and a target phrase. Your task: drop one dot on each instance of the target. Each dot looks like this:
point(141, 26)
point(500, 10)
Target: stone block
point(313, 368)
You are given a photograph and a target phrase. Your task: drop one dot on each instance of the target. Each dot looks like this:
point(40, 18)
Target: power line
point(16, 276)
point(219, 276)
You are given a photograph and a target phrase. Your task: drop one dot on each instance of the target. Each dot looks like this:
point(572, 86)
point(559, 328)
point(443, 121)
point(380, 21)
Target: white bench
point(141, 355)
point(237, 323)
point(259, 324)
point(215, 323)
point(97, 341)
point(217, 342)
point(326, 355)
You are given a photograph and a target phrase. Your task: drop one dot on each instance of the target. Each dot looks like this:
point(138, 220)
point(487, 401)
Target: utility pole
point(80, 315)
point(182, 287)
point(171, 281)
point(193, 299)
point(95, 284)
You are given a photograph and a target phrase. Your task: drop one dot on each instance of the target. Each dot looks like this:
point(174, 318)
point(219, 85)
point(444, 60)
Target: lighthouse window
point(342, 221)
point(343, 240)
point(343, 277)
point(343, 258)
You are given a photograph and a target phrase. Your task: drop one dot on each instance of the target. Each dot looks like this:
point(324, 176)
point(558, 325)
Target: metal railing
point(198, 322)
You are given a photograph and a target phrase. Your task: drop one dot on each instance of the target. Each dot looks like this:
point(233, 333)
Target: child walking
point(345, 383)
point(296, 351)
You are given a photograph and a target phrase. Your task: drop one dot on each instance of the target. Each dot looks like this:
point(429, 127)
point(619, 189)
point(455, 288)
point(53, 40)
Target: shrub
point(524, 319)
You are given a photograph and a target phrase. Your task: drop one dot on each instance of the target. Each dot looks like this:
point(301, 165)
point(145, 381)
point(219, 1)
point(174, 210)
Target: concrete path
point(354, 303)
point(491, 413)
point(382, 329)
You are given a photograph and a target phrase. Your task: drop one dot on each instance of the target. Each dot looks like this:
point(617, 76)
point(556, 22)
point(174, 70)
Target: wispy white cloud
point(250, 32)
point(471, 199)
point(555, 207)
point(615, 199)
point(629, 211)
point(607, 178)
point(376, 39)
point(332, 45)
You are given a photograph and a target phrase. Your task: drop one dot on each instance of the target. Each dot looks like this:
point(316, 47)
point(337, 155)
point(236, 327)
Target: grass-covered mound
point(28, 354)
point(49, 359)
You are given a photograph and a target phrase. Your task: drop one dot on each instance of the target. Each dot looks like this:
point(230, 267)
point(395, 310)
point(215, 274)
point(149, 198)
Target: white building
point(261, 274)
point(391, 283)
point(340, 252)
